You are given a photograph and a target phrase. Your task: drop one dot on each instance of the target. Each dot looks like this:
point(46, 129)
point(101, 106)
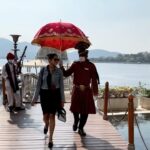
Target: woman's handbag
point(61, 114)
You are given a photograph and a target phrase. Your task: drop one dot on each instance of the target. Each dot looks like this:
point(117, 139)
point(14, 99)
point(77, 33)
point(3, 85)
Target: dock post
point(106, 95)
point(131, 123)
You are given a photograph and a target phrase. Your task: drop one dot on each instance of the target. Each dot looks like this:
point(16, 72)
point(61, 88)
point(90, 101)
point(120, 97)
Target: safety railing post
point(131, 123)
point(106, 95)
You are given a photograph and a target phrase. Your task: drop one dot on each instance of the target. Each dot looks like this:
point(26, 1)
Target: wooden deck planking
point(24, 130)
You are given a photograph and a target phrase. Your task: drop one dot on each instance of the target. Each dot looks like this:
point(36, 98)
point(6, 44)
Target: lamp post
point(15, 40)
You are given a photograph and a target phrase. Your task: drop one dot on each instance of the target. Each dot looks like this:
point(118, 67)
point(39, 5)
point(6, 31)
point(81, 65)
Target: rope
point(115, 119)
point(122, 118)
point(140, 133)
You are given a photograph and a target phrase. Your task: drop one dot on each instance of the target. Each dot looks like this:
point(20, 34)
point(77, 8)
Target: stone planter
point(116, 104)
point(145, 103)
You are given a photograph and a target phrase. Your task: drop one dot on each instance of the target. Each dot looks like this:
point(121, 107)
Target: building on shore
point(41, 58)
point(32, 68)
point(42, 53)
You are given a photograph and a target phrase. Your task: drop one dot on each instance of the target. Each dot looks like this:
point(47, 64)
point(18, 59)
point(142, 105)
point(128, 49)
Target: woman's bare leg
point(46, 120)
point(51, 126)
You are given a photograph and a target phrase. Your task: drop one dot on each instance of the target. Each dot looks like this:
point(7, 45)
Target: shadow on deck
point(24, 130)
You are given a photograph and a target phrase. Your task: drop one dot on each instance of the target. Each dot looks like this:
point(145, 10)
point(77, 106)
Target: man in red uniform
point(85, 85)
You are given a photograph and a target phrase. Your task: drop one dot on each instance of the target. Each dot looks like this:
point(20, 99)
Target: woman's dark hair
point(52, 55)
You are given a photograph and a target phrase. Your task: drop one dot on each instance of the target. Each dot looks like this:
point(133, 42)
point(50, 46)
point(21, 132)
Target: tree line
point(142, 57)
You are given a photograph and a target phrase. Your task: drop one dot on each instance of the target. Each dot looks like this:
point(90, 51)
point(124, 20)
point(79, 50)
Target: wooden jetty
point(24, 130)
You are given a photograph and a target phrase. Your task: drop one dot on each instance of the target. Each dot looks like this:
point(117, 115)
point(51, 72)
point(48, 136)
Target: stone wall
point(145, 103)
point(116, 104)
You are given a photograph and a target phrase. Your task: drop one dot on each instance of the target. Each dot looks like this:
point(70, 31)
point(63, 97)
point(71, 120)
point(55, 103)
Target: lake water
point(119, 74)
point(144, 125)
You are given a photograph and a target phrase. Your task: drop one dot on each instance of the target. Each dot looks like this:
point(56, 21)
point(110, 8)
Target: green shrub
point(146, 93)
point(117, 92)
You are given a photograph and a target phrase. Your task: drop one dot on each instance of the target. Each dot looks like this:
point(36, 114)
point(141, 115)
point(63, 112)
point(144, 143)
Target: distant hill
point(93, 53)
point(31, 49)
point(6, 46)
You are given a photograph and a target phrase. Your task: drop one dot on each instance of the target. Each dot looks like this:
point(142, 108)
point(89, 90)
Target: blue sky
point(114, 25)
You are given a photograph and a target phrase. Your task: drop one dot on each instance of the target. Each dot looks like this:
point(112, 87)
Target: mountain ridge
point(93, 53)
point(7, 45)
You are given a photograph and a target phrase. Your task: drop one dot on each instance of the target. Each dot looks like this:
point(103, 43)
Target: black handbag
point(61, 114)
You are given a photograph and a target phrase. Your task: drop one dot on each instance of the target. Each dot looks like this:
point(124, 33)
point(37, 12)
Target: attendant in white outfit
point(12, 89)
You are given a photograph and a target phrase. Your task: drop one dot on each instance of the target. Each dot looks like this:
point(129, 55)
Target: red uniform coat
point(84, 74)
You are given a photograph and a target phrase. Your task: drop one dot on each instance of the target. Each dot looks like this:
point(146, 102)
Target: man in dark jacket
point(85, 85)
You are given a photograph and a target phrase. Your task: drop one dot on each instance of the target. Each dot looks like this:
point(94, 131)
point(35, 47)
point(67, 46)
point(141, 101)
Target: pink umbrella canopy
point(60, 35)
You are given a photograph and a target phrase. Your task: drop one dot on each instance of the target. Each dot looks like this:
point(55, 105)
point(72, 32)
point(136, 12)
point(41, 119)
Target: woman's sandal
point(50, 144)
point(45, 130)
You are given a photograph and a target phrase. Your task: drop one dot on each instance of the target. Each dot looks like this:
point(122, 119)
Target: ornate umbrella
point(61, 36)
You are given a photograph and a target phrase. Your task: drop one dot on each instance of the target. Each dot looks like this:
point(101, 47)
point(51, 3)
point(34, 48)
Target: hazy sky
point(114, 25)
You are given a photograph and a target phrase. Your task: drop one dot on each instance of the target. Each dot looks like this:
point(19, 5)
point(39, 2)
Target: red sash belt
point(82, 87)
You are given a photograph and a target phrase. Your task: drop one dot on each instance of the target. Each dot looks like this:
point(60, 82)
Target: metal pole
point(15, 50)
point(15, 40)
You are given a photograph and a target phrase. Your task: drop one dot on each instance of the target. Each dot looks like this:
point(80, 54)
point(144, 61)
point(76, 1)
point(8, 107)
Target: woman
point(50, 87)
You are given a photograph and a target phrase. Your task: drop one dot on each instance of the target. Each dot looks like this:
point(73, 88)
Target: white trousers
point(11, 96)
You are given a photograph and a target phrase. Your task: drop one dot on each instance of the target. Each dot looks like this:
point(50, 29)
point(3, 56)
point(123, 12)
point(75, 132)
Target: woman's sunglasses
point(56, 59)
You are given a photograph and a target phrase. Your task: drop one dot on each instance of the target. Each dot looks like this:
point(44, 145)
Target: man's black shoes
point(19, 108)
point(81, 132)
point(74, 127)
point(10, 109)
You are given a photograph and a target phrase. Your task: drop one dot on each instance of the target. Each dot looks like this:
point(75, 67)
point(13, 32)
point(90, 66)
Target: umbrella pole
point(60, 39)
point(35, 68)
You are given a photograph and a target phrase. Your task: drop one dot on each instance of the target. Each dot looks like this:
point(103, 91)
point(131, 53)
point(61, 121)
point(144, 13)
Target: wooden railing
point(106, 96)
point(131, 122)
point(29, 81)
point(130, 115)
point(28, 85)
